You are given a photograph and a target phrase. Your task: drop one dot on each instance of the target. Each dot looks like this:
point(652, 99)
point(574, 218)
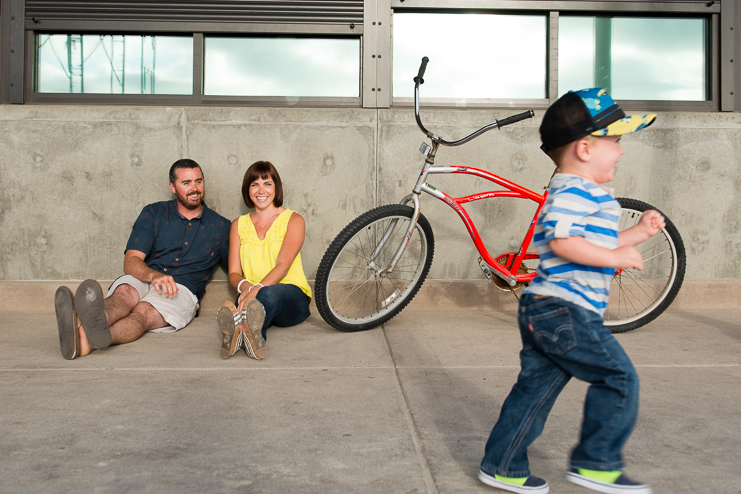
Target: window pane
point(114, 64)
point(471, 55)
point(308, 67)
point(634, 58)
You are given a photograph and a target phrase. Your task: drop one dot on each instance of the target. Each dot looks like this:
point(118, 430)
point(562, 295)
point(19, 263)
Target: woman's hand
point(246, 295)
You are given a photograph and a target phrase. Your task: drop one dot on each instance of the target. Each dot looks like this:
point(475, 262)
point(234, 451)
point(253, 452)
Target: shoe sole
point(605, 488)
point(506, 486)
point(64, 306)
point(89, 305)
point(231, 339)
point(254, 344)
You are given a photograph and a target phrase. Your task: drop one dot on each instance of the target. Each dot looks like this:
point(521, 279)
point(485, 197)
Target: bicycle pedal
point(486, 269)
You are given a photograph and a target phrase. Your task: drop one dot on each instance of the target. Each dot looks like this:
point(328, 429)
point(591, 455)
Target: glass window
point(635, 58)
point(308, 67)
point(114, 64)
point(471, 55)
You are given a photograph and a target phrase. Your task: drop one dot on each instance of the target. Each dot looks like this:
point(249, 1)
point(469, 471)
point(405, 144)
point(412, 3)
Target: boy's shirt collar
point(560, 178)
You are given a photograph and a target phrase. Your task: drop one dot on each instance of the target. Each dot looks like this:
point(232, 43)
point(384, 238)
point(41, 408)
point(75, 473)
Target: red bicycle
point(377, 263)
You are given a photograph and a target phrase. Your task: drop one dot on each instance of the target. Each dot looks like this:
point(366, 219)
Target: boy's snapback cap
point(592, 111)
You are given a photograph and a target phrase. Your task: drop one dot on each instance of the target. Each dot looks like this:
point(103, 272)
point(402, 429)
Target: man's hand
point(165, 285)
point(135, 266)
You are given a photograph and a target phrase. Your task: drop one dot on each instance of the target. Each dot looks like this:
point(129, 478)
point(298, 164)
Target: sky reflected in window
point(471, 55)
point(297, 67)
point(114, 64)
point(650, 58)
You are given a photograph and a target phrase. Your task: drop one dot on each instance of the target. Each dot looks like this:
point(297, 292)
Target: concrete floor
point(402, 409)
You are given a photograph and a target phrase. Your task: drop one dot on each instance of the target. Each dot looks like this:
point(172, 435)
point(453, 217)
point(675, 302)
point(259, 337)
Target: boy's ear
point(582, 149)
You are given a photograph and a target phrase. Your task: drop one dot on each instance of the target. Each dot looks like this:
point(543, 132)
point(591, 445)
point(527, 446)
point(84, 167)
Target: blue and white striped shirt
point(575, 208)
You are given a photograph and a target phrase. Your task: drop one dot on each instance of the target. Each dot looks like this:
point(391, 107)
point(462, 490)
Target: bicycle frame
point(510, 264)
point(506, 270)
point(359, 290)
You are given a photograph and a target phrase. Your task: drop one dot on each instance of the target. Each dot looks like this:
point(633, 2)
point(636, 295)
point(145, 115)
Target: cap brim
point(626, 125)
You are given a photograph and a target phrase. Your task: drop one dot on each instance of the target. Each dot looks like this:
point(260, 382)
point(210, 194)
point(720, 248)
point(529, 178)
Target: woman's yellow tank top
point(258, 257)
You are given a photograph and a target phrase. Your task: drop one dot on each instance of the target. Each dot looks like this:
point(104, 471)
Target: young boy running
point(560, 313)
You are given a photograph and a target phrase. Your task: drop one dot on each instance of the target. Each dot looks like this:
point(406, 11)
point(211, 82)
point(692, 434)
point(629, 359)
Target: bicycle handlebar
point(421, 72)
point(515, 118)
point(496, 124)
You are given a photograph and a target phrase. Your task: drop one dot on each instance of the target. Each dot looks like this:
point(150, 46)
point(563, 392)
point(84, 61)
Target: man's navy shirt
point(185, 249)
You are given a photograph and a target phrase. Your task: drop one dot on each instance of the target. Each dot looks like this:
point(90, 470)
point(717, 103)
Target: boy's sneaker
point(524, 485)
point(615, 482)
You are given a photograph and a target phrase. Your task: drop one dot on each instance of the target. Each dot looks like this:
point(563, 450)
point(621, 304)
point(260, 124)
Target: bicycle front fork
point(429, 154)
point(383, 273)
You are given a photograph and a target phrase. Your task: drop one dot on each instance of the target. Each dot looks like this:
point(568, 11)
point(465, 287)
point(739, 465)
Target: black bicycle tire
point(667, 296)
point(341, 242)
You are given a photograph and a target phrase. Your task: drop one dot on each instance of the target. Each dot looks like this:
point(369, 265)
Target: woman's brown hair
point(262, 170)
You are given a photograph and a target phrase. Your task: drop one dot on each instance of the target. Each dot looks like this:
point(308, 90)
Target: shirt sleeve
point(142, 233)
point(567, 213)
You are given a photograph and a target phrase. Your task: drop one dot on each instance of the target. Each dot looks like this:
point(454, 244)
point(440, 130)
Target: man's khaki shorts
point(177, 311)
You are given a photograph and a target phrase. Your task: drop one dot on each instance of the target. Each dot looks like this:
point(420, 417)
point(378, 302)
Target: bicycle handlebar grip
point(421, 72)
point(515, 118)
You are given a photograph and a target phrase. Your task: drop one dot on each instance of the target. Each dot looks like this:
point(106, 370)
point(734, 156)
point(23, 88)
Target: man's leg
point(120, 304)
point(131, 309)
point(141, 319)
point(126, 317)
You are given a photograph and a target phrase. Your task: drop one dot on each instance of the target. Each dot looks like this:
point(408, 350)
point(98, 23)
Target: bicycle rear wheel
point(351, 293)
point(639, 297)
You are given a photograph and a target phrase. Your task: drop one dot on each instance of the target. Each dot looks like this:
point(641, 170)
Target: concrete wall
point(74, 178)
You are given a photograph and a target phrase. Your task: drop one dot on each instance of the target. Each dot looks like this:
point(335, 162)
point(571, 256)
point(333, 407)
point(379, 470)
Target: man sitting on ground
point(169, 258)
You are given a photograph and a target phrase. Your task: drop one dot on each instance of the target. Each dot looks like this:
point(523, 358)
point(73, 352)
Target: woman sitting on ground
point(264, 266)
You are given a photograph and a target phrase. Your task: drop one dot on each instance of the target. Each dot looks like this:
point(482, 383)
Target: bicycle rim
point(358, 295)
point(638, 297)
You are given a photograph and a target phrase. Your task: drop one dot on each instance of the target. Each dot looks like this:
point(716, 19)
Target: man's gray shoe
point(69, 338)
point(89, 305)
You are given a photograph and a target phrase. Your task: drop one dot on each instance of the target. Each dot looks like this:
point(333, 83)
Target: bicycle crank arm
point(489, 272)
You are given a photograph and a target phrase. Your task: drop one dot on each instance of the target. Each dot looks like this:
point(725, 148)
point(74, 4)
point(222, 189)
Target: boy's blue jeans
point(561, 340)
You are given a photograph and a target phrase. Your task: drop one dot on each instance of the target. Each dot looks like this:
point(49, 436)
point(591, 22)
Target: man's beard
point(187, 203)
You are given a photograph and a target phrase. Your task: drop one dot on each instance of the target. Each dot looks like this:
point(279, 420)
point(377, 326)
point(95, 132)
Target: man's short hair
point(181, 164)
point(262, 170)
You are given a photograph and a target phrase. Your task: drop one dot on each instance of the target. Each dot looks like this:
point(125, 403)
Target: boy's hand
point(651, 222)
point(627, 257)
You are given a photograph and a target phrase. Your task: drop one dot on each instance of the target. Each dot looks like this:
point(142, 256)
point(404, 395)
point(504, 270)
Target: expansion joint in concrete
point(414, 432)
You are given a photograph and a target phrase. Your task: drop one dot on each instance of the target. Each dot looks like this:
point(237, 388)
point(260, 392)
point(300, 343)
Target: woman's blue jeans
point(561, 340)
point(285, 305)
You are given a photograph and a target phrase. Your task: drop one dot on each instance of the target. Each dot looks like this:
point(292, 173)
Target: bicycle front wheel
point(352, 291)
point(639, 297)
